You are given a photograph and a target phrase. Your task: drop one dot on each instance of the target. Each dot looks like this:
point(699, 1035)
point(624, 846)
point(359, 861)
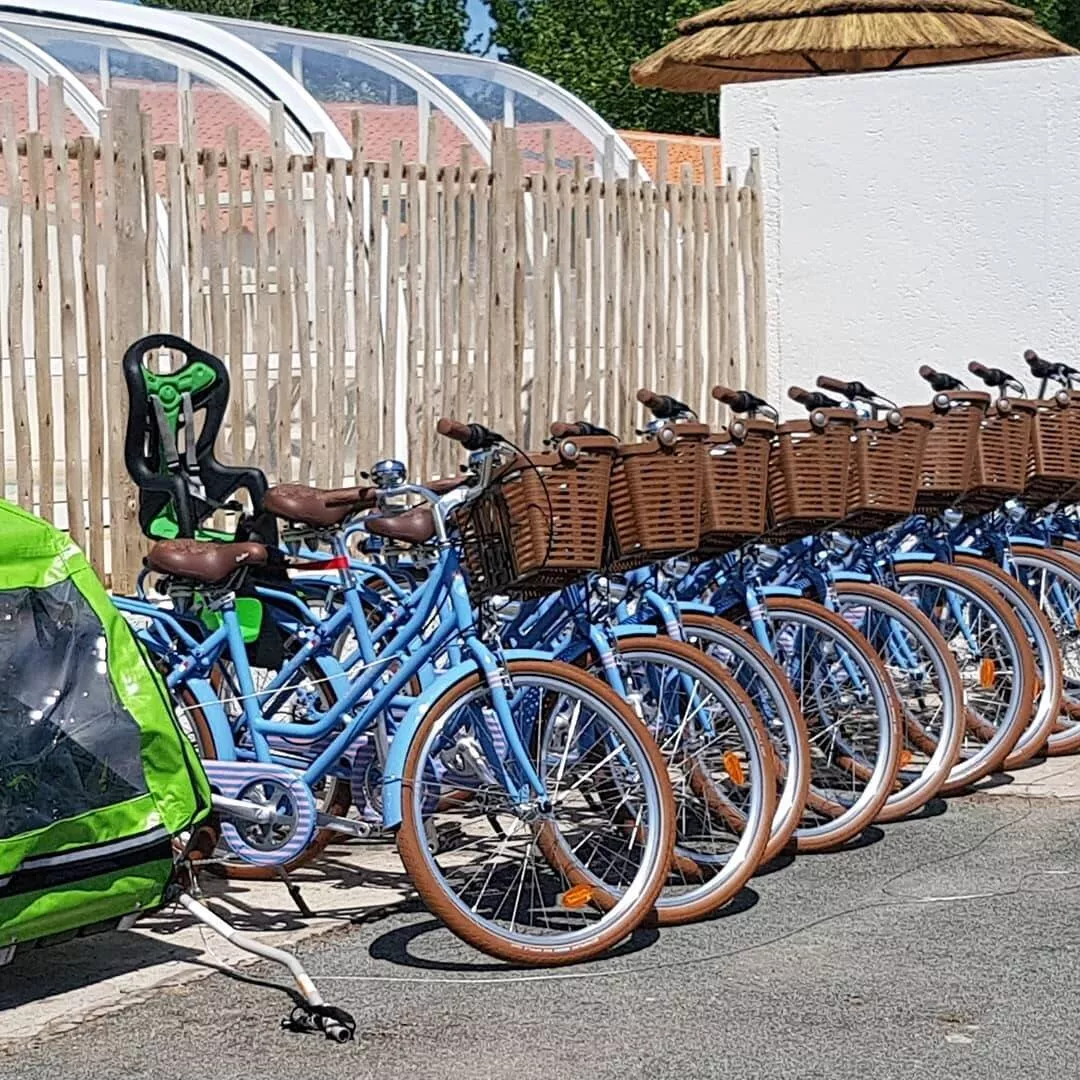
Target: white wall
point(925, 216)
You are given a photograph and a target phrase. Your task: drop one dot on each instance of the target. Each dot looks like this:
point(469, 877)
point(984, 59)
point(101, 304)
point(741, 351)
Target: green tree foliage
point(1061, 18)
point(588, 46)
point(439, 24)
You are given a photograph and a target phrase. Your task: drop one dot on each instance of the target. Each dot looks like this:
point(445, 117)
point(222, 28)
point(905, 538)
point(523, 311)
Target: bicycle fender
point(212, 710)
point(334, 674)
point(850, 575)
point(407, 729)
point(780, 590)
point(913, 556)
point(694, 607)
point(625, 630)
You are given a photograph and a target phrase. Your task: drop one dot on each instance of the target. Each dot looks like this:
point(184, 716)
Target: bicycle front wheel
point(716, 749)
point(762, 679)
point(928, 685)
point(991, 650)
point(1053, 578)
point(551, 878)
point(852, 715)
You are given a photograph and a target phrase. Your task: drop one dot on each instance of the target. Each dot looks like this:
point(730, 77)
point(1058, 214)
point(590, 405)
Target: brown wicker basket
point(1000, 468)
point(885, 462)
point(951, 447)
point(1054, 456)
point(735, 485)
point(656, 497)
point(541, 523)
point(809, 469)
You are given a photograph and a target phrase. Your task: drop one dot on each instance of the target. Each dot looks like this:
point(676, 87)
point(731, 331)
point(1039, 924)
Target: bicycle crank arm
point(360, 829)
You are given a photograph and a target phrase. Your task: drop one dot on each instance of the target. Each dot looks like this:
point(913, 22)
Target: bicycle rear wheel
point(553, 879)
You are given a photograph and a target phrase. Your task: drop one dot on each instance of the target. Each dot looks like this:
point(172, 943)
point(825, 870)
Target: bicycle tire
point(761, 677)
point(1046, 653)
point(1064, 737)
point(619, 912)
point(841, 822)
point(989, 740)
point(942, 754)
point(697, 788)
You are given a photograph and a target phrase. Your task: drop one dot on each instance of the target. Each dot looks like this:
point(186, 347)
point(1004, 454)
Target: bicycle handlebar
point(1045, 369)
point(471, 436)
point(740, 401)
point(939, 380)
point(990, 376)
point(562, 430)
point(853, 390)
point(662, 406)
point(812, 400)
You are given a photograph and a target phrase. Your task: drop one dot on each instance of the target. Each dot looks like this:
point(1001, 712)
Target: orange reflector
point(734, 768)
point(577, 896)
point(987, 672)
point(905, 758)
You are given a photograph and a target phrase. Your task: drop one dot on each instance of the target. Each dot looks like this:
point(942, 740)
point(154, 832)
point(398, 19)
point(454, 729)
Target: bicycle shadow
point(395, 946)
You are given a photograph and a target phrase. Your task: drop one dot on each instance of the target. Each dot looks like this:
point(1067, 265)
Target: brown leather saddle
point(205, 561)
point(319, 508)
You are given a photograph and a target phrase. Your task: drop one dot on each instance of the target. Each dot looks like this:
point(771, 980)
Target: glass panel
point(157, 70)
point(344, 83)
point(67, 745)
point(483, 91)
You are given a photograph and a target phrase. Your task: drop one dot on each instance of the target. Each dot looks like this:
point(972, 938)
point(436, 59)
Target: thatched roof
point(748, 40)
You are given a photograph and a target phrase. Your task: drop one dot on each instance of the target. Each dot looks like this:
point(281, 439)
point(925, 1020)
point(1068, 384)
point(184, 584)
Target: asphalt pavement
point(943, 947)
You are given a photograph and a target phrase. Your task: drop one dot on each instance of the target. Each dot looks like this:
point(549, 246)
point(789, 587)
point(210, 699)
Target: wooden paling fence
point(354, 302)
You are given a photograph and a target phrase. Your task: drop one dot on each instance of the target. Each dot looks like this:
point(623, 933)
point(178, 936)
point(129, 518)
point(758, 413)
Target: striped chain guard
point(261, 783)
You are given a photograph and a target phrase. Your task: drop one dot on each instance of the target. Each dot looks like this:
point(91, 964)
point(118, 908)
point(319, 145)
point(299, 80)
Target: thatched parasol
point(749, 40)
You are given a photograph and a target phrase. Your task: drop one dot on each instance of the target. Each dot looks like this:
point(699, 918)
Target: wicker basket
point(809, 469)
point(1000, 468)
point(885, 462)
point(656, 498)
point(541, 523)
point(1054, 456)
point(735, 485)
point(951, 448)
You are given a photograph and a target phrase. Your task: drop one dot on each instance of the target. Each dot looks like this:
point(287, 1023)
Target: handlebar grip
point(662, 406)
point(837, 386)
point(471, 436)
point(560, 429)
point(727, 396)
point(739, 401)
point(990, 376)
point(454, 429)
point(812, 401)
point(938, 380)
point(1040, 368)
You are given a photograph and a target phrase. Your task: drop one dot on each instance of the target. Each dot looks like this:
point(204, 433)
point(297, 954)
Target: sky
point(479, 19)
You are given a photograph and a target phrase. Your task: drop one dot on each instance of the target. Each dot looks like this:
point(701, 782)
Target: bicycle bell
point(388, 473)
